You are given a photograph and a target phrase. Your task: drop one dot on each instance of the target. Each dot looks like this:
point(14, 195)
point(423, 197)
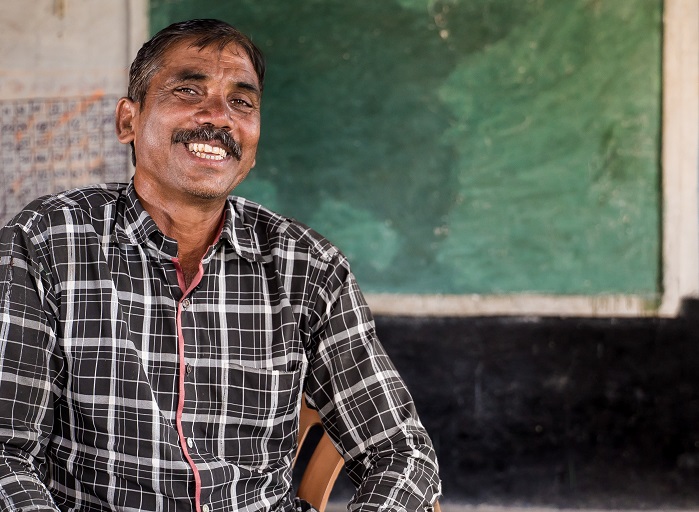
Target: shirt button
point(189, 369)
point(205, 508)
point(190, 442)
point(185, 303)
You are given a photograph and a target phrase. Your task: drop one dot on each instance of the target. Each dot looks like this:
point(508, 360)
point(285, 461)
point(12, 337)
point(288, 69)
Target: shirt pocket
point(261, 416)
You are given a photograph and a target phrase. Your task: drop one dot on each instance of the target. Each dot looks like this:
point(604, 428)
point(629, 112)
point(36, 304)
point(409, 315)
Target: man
point(156, 337)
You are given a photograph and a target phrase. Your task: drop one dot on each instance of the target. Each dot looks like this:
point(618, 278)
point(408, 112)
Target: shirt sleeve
point(366, 408)
point(28, 375)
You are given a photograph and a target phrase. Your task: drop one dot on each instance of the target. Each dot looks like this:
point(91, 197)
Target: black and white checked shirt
point(120, 390)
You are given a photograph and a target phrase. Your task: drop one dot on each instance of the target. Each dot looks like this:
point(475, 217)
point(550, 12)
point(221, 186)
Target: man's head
point(192, 116)
point(200, 34)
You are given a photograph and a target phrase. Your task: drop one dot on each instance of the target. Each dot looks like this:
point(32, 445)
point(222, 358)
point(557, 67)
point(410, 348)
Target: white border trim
point(511, 305)
point(680, 245)
point(680, 153)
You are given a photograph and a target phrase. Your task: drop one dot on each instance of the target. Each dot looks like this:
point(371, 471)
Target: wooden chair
point(324, 465)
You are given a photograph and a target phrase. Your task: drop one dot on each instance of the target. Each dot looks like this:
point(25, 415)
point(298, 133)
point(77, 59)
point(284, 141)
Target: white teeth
point(206, 151)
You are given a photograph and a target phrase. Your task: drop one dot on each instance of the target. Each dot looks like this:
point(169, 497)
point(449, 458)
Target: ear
point(126, 112)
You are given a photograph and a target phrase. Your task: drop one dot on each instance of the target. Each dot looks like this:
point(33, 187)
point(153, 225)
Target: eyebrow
point(187, 75)
point(249, 87)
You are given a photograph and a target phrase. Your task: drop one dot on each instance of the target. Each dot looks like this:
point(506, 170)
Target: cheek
point(248, 141)
point(250, 128)
point(152, 136)
point(251, 136)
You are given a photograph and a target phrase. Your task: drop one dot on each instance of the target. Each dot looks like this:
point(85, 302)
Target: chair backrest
point(324, 465)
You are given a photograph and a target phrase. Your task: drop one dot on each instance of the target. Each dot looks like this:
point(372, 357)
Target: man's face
point(194, 89)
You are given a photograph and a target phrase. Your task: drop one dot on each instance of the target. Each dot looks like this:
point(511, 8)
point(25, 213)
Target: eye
point(240, 102)
point(188, 91)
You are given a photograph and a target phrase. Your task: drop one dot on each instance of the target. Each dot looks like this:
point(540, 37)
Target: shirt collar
point(238, 231)
point(135, 226)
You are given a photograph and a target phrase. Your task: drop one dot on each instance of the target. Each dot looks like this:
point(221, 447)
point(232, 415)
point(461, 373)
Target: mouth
point(208, 143)
point(206, 151)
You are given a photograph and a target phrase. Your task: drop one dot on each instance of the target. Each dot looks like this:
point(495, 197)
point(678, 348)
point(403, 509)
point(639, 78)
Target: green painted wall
point(480, 146)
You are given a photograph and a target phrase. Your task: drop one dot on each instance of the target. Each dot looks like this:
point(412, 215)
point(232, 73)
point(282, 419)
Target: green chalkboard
point(473, 146)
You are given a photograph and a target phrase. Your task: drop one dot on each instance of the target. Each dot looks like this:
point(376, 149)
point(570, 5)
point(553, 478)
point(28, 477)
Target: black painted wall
point(556, 411)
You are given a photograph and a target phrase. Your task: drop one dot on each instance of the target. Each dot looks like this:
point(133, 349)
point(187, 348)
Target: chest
point(125, 318)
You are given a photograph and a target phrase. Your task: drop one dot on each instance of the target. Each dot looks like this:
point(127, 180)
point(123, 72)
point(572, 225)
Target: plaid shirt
point(120, 390)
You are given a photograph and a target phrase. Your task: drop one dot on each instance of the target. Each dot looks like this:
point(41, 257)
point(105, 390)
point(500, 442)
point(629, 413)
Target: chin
point(208, 194)
point(207, 189)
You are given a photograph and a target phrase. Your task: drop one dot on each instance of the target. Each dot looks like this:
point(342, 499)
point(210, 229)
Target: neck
point(194, 225)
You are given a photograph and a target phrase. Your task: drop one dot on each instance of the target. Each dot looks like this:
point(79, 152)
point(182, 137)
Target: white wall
point(62, 48)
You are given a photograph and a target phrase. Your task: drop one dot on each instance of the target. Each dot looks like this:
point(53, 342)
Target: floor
point(452, 507)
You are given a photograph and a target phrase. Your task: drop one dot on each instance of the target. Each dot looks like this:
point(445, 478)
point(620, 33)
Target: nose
point(213, 110)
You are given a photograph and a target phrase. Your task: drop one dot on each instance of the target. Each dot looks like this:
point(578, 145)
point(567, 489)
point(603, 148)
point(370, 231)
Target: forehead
point(231, 61)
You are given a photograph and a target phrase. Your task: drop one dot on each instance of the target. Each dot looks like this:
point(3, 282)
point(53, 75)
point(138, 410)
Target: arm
point(367, 410)
point(28, 376)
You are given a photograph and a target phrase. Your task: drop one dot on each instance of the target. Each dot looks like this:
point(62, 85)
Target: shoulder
point(274, 232)
point(68, 207)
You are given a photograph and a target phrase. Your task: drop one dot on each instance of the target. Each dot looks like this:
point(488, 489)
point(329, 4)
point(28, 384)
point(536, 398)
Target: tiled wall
point(49, 145)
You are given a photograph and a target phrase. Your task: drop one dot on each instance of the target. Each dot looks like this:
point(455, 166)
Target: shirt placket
point(185, 369)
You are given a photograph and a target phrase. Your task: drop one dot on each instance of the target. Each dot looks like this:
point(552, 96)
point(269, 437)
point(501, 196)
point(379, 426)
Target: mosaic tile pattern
point(49, 145)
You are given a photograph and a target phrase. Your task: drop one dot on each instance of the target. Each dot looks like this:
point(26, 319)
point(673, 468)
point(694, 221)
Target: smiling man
point(157, 336)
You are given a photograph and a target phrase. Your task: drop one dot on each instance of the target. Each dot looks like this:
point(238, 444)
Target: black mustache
point(206, 133)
